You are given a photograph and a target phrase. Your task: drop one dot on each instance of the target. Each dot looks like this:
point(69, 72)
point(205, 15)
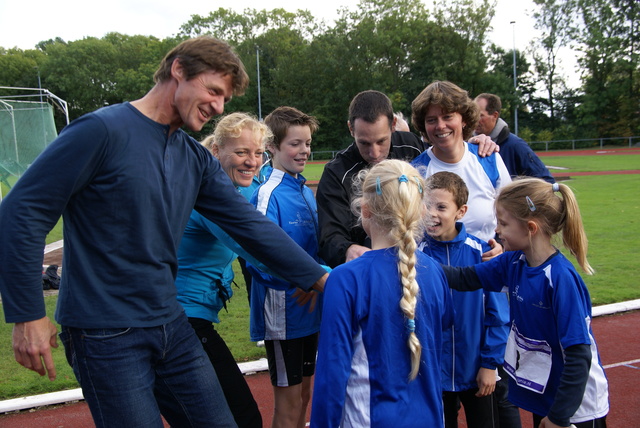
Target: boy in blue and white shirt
point(473, 347)
point(290, 331)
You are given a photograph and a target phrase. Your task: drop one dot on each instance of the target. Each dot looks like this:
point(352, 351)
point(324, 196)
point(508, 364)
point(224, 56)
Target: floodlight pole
point(515, 80)
point(44, 133)
point(258, 73)
point(39, 83)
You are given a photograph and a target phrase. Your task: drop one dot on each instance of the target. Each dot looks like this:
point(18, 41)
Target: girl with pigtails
point(381, 332)
point(551, 356)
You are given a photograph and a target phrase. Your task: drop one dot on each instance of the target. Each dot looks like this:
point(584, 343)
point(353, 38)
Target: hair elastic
point(411, 325)
point(419, 184)
point(403, 179)
point(378, 186)
point(532, 206)
point(555, 187)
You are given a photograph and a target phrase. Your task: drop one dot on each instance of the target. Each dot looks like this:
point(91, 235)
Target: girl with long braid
point(380, 338)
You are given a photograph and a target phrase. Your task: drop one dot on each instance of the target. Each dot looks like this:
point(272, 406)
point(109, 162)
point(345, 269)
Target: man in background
point(515, 152)
point(373, 127)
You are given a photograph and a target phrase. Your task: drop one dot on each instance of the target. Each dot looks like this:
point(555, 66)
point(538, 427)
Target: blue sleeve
point(335, 350)
point(496, 323)
point(261, 277)
point(216, 231)
point(493, 273)
point(530, 164)
point(571, 306)
point(34, 206)
point(262, 238)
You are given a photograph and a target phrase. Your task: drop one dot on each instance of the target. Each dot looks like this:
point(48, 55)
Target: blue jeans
point(130, 376)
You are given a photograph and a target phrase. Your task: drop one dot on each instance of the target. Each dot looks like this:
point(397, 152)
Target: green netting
point(26, 128)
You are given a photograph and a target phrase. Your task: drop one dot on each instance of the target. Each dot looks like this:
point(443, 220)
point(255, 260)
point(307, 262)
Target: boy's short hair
point(450, 182)
point(369, 106)
point(283, 118)
point(202, 54)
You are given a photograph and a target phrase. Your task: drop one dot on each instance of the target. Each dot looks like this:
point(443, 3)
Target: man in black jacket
point(372, 125)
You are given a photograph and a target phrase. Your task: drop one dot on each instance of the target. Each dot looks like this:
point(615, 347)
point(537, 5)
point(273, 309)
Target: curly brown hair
point(452, 99)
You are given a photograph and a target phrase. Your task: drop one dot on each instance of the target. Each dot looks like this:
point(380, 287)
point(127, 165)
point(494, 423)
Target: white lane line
point(624, 363)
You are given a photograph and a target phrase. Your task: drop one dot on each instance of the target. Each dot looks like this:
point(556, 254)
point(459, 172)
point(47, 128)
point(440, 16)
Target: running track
point(616, 335)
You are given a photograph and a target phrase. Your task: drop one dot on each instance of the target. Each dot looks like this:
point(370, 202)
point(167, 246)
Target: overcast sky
point(24, 23)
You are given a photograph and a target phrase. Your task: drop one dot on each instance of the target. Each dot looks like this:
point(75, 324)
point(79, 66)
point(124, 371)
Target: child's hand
point(496, 250)
point(486, 380)
point(302, 298)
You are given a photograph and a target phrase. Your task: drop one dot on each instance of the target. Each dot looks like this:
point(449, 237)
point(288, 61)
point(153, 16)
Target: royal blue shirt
point(362, 373)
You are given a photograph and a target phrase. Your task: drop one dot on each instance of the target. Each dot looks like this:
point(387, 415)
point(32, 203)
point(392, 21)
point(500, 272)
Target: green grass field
point(610, 211)
point(593, 163)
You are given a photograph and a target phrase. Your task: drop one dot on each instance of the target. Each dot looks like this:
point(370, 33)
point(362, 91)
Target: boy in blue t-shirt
point(474, 346)
point(289, 331)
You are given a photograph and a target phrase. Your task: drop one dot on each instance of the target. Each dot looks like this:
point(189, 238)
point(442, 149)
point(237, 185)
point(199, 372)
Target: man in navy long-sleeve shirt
point(126, 180)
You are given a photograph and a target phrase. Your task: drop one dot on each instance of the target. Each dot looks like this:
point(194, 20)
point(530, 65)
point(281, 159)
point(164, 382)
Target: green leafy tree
point(92, 73)
point(20, 68)
point(498, 79)
point(280, 40)
point(82, 72)
point(553, 18)
point(609, 42)
point(469, 22)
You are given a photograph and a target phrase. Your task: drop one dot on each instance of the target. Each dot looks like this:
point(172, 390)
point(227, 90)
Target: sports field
point(605, 182)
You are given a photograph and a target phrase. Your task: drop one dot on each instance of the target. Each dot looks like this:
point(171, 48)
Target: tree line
point(395, 46)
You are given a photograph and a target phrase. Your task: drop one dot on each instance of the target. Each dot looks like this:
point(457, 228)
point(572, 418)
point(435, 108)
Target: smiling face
point(442, 214)
point(198, 100)
point(444, 131)
point(372, 139)
point(291, 157)
point(240, 157)
point(513, 233)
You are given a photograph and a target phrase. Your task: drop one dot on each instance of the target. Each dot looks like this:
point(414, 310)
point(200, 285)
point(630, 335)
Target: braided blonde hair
point(393, 193)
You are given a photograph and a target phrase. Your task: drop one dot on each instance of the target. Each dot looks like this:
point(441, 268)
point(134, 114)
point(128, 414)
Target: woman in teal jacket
point(206, 254)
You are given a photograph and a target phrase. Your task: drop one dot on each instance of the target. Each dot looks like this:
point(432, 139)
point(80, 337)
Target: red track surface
point(619, 350)
point(593, 152)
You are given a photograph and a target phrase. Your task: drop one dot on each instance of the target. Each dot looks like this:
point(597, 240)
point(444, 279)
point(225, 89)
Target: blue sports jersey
point(550, 311)
point(275, 313)
point(363, 359)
